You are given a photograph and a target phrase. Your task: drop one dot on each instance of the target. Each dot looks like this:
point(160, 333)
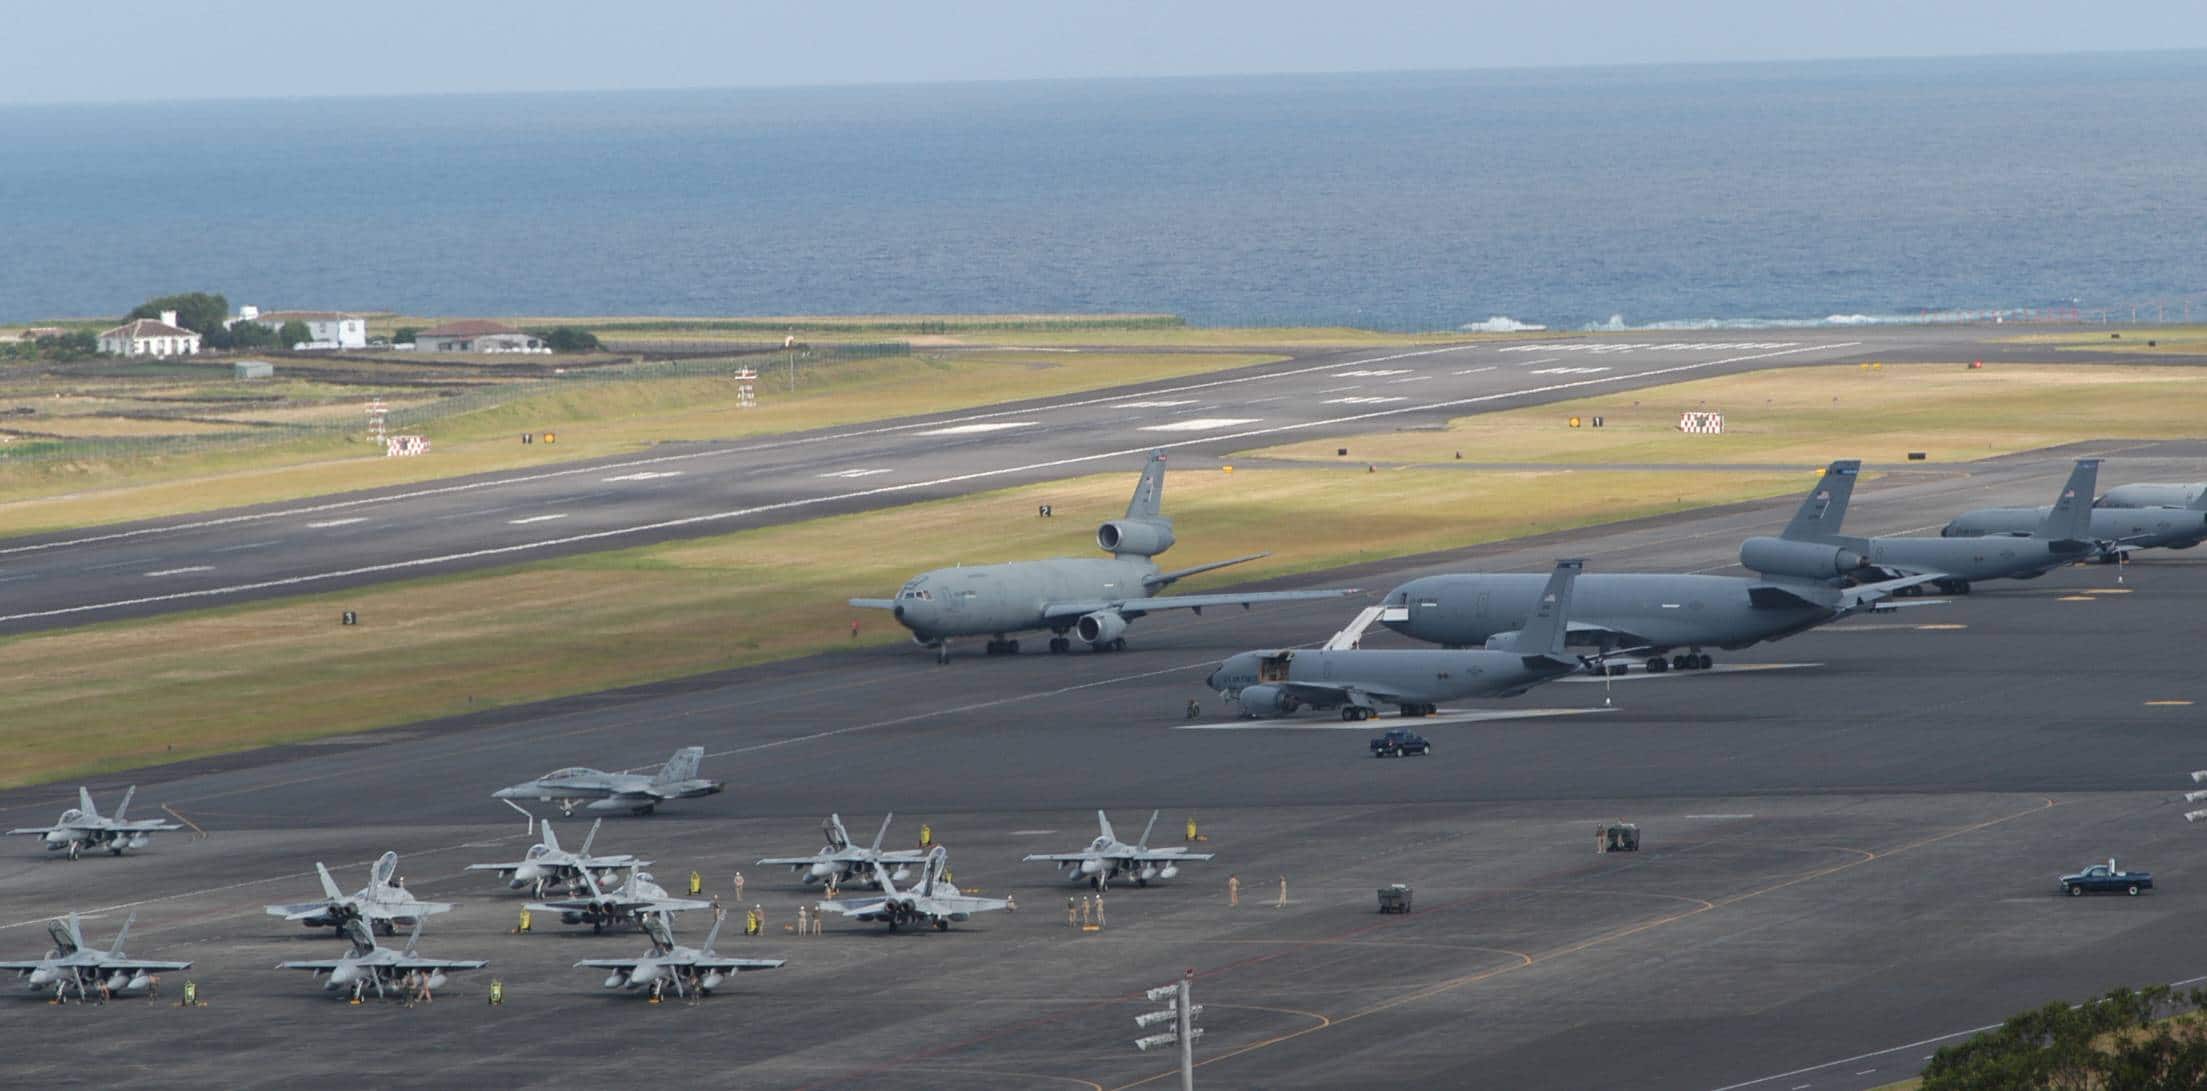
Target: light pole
point(1181, 1013)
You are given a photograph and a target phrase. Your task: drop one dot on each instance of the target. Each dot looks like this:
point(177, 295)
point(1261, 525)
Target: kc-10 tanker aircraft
point(1653, 613)
point(1091, 598)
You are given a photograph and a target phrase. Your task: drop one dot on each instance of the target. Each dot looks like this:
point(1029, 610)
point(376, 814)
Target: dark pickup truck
point(1398, 742)
point(2106, 879)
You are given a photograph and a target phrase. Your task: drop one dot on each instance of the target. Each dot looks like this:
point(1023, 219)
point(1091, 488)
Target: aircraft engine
point(1150, 872)
point(1140, 537)
point(817, 872)
point(1809, 560)
point(138, 983)
point(139, 840)
point(1168, 871)
point(118, 979)
point(41, 978)
point(1266, 701)
point(1101, 627)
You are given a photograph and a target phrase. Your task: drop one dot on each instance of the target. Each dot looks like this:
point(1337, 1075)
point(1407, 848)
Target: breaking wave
point(1501, 324)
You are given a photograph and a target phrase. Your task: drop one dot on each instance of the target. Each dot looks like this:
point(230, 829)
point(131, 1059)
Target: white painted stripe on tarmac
point(977, 429)
point(1201, 424)
point(646, 475)
point(181, 571)
point(537, 519)
point(328, 523)
point(411, 563)
point(1445, 719)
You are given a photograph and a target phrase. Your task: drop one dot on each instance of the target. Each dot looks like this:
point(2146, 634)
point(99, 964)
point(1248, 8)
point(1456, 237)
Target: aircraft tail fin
point(1547, 630)
point(2199, 500)
point(2070, 519)
point(711, 934)
point(413, 938)
point(1144, 842)
point(550, 840)
point(1149, 493)
point(84, 802)
point(124, 806)
point(590, 838)
point(1825, 506)
point(68, 933)
point(938, 859)
point(117, 950)
point(329, 885)
point(682, 766)
point(882, 833)
point(1103, 826)
point(362, 936)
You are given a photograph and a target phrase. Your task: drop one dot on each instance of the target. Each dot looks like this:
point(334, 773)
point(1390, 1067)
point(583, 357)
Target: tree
point(292, 334)
point(247, 335)
point(405, 335)
point(569, 339)
point(2119, 1042)
point(200, 312)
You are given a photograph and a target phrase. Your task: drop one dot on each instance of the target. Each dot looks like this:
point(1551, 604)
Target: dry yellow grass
point(113, 696)
point(1813, 414)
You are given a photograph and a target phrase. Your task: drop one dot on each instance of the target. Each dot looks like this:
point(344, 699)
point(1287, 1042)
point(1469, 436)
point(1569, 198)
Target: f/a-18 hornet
point(72, 964)
point(546, 864)
point(636, 793)
point(670, 965)
point(1650, 613)
point(932, 901)
point(844, 862)
point(2120, 520)
point(82, 827)
point(383, 903)
point(1417, 680)
point(2062, 537)
point(1107, 858)
point(631, 901)
point(1090, 598)
point(369, 966)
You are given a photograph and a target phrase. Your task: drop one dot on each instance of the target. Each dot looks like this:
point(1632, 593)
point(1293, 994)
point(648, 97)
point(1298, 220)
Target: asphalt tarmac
point(680, 490)
point(1849, 854)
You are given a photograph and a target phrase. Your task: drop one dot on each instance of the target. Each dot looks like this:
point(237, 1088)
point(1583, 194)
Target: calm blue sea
point(1408, 201)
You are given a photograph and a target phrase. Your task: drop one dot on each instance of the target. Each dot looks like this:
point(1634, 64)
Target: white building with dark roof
point(150, 337)
point(325, 329)
point(478, 335)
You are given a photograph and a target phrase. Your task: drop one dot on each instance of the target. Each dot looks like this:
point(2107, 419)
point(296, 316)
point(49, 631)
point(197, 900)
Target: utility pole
point(1182, 1013)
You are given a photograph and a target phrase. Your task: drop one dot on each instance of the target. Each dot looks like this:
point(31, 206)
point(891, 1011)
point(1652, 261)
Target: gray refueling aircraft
point(1091, 598)
point(2126, 524)
point(1417, 680)
point(83, 827)
point(1650, 613)
point(2062, 537)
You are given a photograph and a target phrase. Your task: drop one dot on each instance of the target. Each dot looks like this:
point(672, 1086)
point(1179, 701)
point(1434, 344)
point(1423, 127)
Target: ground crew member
point(521, 928)
point(854, 628)
point(1072, 911)
point(804, 921)
point(697, 884)
point(761, 911)
point(716, 907)
point(1010, 906)
point(1283, 893)
point(1195, 709)
point(1233, 891)
point(1191, 827)
point(927, 836)
point(1086, 911)
point(751, 922)
point(739, 886)
point(191, 995)
point(1099, 911)
point(497, 993)
point(819, 926)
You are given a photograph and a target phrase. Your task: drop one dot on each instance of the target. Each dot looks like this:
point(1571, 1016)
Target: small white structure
point(150, 337)
point(478, 335)
point(1701, 423)
point(325, 329)
point(254, 369)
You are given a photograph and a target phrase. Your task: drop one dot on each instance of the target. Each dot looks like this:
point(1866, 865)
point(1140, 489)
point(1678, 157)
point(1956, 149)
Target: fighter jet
point(82, 827)
point(2120, 527)
point(546, 863)
point(1106, 858)
point(73, 964)
point(635, 793)
point(1642, 613)
point(383, 903)
point(368, 965)
point(2062, 537)
point(844, 862)
point(1091, 598)
point(934, 900)
point(631, 901)
point(1417, 680)
point(686, 969)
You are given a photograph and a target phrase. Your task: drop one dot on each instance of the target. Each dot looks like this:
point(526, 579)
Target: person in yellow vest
point(751, 922)
point(1191, 828)
point(697, 884)
point(521, 927)
point(927, 836)
point(497, 993)
point(191, 995)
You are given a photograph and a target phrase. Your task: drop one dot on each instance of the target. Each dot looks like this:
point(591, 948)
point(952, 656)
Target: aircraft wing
point(1317, 693)
point(145, 825)
point(943, 905)
point(408, 910)
point(1060, 857)
point(500, 868)
point(1135, 607)
point(794, 861)
point(1866, 594)
point(299, 911)
point(407, 963)
point(39, 832)
point(323, 965)
point(857, 908)
point(875, 604)
point(1155, 857)
point(141, 964)
point(23, 967)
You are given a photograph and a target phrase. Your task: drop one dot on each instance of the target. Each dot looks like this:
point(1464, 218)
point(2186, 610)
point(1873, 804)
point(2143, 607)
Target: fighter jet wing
point(299, 911)
point(39, 832)
point(793, 861)
point(1135, 607)
point(320, 965)
point(943, 905)
point(411, 962)
point(720, 963)
point(145, 825)
point(1061, 857)
point(408, 910)
point(857, 908)
point(1156, 857)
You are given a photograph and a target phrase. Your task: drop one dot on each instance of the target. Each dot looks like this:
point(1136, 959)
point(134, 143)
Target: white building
point(325, 329)
point(150, 337)
point(478, 335)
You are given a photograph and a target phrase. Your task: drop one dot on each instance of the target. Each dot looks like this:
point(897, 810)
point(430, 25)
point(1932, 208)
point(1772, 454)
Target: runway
point(1849, 854)
point(680, 490)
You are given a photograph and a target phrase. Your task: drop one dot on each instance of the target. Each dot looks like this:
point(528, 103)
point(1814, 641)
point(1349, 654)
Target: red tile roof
point(468, 327)
point(147, 327)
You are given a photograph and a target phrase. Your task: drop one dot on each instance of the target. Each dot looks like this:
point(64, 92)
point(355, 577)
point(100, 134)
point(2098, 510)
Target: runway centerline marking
point(183, 570)
point(645, 475)
point(325, 524)
point(1201, 424)
point(537, 519)
point(410, 563)
point(977, 429)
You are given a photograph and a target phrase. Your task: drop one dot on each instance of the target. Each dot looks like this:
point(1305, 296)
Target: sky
point(134, 50)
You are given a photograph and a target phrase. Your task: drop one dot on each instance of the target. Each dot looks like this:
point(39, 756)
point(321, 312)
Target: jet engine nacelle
point(1808, 560)
point(1101, 627)
point(1168, 871)
point(1266, 701)
point(1139, 537)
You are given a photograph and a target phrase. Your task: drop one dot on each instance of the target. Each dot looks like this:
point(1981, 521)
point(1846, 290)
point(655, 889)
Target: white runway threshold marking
point(705, 518)
point(1445, 719)
point(1365, 399)
point(976, 429)
point(325, 524)
point(1201, 424)
point(537, 519)
point(644, 475)
point(181, 571)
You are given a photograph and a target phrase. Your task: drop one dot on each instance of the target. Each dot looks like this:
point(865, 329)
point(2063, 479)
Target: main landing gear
point(1689, 661)
point(1001, 646)
point(1353, 713)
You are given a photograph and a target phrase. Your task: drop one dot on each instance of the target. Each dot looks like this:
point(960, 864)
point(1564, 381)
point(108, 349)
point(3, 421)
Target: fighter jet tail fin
point(1144, 842)
point(2070, 519)
point(413, 938)
point(710, 935)
point(682, 766)
point(1825, 506)
point(124, 806)
point(73, 931)
point(1103, 827)
point(880, 834)
point(329, 885)
point(84, 803)
point(588, 839)
point(1149, 492)
point(117, 950)
point(1548, 628)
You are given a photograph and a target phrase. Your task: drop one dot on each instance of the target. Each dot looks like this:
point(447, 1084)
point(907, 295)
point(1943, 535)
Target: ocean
point(1638, 196)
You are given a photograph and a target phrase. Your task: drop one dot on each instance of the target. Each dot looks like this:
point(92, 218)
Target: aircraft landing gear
point(942, 924)
point(1060, 645)
point(1354, 713)
point(942, 653)
point(1115, 644)
point(1658, 665)
point(1951, 587)
point(1001, 646)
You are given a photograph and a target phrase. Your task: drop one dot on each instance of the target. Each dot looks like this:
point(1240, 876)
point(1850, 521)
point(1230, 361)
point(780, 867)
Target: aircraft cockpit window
point(569, 773)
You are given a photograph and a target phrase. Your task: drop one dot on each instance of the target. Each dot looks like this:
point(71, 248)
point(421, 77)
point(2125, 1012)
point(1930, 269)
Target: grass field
point(1811, 415)
point(113, 696)
point(924, 330)
point(589, 419)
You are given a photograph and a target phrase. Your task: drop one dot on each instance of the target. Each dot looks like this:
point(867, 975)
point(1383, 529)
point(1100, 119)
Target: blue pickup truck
point(1399, 742)
point(2106, 879)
